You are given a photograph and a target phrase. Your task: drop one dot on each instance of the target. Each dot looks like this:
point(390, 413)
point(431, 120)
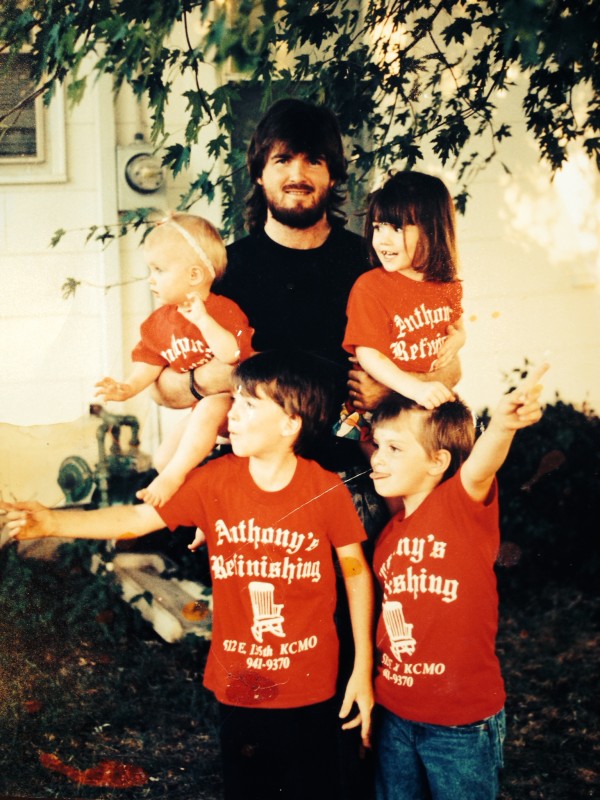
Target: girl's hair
point(300, 127)
point(204, 239)
point(298, 382)
point(448, 427)
point(414, 198)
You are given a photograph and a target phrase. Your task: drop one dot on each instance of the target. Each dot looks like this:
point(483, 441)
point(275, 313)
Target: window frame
point(48, 165)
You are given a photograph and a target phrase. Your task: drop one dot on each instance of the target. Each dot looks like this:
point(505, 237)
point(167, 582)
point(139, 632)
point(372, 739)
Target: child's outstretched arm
point(429, 394)
point(35, 521)
point(516, 410)
point(455, 339)
point(141, 376)
point(359, 588)
point(222, 342)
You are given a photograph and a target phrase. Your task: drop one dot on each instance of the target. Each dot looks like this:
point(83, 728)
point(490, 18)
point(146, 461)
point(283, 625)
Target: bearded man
point(293, 272)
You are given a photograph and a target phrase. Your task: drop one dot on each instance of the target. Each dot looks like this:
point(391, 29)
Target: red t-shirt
point(437, 630)
point(170, 339)
point(403, 319)
point(274, 641)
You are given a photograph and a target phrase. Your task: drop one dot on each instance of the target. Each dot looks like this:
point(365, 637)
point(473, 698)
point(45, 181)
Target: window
point(32, 145)
point(21, 132)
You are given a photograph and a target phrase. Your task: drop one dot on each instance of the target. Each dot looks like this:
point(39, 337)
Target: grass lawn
point(84, 680)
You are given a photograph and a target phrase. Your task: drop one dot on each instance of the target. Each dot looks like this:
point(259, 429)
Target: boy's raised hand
point(521, 407)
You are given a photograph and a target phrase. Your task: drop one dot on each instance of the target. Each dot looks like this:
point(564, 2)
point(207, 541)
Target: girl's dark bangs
point(391, 210)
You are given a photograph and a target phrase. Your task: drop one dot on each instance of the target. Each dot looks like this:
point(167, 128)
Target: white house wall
point(530, 251)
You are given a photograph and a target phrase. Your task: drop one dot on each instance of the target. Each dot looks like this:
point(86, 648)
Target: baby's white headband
point(193, 243)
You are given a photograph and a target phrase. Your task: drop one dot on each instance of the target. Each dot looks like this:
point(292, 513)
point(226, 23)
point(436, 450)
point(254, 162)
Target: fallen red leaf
point(107, 773)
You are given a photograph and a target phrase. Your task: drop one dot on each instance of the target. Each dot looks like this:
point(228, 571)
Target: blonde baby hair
point(201, 236)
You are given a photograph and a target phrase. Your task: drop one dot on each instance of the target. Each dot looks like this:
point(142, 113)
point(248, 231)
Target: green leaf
point(404, 78)
point(177, 158)
point(57, 236)
point(69, 288)
point(218, 145)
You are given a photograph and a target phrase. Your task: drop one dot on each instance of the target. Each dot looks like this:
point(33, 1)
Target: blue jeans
point(416, 761)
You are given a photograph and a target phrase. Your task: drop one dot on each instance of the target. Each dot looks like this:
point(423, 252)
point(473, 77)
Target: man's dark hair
point(301, 127)
point(299, 382)
point(449, 427)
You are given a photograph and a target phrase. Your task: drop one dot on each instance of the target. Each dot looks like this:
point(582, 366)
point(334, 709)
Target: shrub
point(550, 501)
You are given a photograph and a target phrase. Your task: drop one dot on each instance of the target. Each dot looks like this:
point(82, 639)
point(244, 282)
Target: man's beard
point(299, 217)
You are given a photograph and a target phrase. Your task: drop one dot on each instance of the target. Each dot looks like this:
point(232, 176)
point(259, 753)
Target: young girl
point(405, 318)
point(184, 254)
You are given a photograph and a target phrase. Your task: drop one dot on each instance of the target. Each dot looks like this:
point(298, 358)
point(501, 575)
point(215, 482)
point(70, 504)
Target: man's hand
point(449, 350)
point(364, 391)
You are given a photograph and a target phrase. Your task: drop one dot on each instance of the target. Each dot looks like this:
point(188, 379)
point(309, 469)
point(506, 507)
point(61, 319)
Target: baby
point(185, 254)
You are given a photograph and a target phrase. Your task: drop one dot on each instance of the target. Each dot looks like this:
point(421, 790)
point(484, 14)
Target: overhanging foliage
point(403, 76)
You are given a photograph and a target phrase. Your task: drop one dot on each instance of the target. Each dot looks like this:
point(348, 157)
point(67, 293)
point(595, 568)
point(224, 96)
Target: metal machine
point(120, 471)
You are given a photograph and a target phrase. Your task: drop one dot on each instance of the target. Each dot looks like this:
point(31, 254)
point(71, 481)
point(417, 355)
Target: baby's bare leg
point(197, 441)
point(168, 447)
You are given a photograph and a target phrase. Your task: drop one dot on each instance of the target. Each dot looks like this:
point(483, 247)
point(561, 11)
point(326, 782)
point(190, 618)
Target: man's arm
point(172, 389)
point(359, 588)
point(35, 521)
point(516, 410)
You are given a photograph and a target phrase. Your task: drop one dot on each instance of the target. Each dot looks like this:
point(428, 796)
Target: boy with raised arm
point(438, 684)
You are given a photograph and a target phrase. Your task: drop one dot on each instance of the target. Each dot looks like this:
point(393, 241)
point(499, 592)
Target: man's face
point(296, 187)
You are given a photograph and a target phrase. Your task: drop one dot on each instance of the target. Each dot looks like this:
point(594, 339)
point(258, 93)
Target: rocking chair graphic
point(267, 614)
point(400, 633)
